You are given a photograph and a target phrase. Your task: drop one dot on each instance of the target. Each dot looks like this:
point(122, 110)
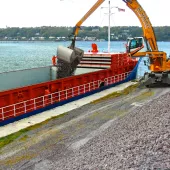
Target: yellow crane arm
point(79, 23)
point(148, 31)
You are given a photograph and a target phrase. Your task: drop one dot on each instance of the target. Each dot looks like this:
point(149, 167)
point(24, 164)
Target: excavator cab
point(135, 45)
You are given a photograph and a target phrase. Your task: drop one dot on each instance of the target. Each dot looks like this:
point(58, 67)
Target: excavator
point(159, 64)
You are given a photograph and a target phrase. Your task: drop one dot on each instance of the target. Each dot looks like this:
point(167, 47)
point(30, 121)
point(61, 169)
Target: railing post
point(98, 83)
point(3, 114)
point(43, 102)
point(14, 110)
point(34, 105)
point(66, 94)
point(78, 90)
point(59, 96)
point(51, 98)
point(73, 92)
point(25, 107)
point(93, 85)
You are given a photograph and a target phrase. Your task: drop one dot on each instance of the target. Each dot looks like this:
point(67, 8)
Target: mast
point(109, 29)
point(109, 7)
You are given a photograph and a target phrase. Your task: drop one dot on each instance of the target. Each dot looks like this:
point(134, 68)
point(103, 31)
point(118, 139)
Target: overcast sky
point(32, 13)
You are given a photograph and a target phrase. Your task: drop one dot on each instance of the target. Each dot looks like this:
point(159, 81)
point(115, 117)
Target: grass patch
point(114, 114)
point(10, 138)
point(94, 115)
point(17, 159)
point(144, 95)
point(120, 113)
point(117, 93)
point(24, 138)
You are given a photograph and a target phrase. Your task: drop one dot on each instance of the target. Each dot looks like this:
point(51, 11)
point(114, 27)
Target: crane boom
point(93, 8)
point(148, 31)
point(79, 23)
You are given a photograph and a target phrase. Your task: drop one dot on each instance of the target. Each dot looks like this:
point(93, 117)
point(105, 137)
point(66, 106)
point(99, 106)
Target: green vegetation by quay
point(115, 94)
point(93, 33)
point(22, 133)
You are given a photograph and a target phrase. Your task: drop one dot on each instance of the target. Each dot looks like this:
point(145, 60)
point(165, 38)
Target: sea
point(20, 55)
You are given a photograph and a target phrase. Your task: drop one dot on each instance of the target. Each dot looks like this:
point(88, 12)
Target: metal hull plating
point(22, 102)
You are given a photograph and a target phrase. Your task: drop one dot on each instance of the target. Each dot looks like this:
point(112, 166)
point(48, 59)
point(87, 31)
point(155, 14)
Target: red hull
point(22, 100)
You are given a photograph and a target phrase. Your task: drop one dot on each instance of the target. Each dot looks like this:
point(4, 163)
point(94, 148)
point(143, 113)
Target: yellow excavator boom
point(148, 31)
point(79, 23)
point(93, 8)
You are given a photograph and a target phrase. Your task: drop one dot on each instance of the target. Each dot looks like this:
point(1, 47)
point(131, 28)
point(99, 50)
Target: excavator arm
point(70, 57)
point(148, 31)
point(79, 23)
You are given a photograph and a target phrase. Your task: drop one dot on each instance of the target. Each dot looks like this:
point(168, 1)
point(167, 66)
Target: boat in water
point(27, 92)
point(73, 75)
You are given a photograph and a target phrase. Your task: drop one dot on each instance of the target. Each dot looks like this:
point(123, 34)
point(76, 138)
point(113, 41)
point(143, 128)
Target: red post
point(54, 60)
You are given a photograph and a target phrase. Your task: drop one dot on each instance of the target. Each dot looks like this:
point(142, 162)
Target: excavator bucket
point(67, 61)
point(69, 55)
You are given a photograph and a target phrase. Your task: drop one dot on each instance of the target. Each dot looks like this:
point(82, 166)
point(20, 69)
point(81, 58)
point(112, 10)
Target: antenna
point(109, 29)
point(109, 7)
point(108, 25)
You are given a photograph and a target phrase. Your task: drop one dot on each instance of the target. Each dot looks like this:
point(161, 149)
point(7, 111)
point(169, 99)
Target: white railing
point(42, 101)
point(117, 78)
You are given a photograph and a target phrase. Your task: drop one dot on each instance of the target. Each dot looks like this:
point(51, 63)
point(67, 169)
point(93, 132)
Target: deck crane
point(159, 64)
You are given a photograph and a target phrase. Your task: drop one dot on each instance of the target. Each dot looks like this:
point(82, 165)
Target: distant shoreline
point(31, 41)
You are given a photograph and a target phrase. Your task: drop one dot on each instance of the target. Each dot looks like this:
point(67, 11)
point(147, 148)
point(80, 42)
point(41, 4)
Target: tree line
point(52, 33)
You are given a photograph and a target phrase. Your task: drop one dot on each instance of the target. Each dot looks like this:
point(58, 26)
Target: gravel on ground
point(129, 132)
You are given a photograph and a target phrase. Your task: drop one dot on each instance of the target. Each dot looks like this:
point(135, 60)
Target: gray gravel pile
point(139, 140)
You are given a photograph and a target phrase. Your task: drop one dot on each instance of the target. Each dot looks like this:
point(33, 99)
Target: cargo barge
point(27, 92)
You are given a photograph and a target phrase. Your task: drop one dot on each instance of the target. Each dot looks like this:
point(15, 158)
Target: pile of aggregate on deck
point(139, 140)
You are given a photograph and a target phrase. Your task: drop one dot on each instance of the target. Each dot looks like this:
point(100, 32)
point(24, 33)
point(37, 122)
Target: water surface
point(23, 55)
